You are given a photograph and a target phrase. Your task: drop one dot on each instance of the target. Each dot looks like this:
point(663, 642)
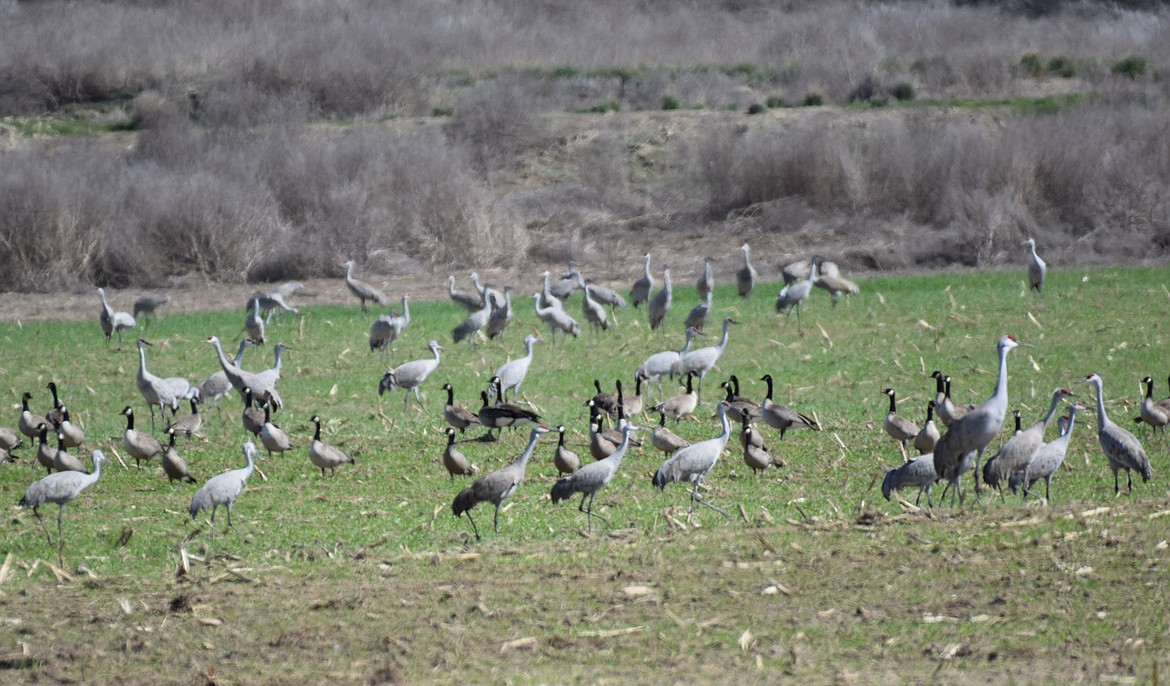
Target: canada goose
point(682, 405)
point(324, 456)
point(274, 438)
point(138, 445)
point(174, 466)
point(565, 460)
point(454, 460)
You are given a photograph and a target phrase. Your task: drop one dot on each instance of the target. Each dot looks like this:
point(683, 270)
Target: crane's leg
point(1129, 482)
point(37, 512)
point(696, 497)
point(60, 536)
point(230, 525)
point(473, 526)
point(1116, 484)
point(496, 520)
point(1047, 488)
point(152, 416)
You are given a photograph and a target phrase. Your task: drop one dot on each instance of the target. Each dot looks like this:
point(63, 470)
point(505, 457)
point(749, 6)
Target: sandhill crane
point(63, 461)
point(1037, 268)
point(565, 460)
point(781, 417)
point(703, 360)
point(991, 466)
point(9, 439)
point(694, 461)
point(796, 271)
point(454, 461)
point(1018, 449)
point(138, 445)
point(706, 281)
point(252, 417)
point(557, 320)
point(632, 405)
point(1152, 413)
point(60, 489)
point(361, 290)
point(745, 278)
point(661, 302)
point(1122, 449)
point(410, 376)
point(456, 416)
point(72, 434)
point(898, 427)
point(591, 478)
point(836, 286)
point(666, 440)
point(917, 472)
point(45, 452)
point(173, 465)
point(640, 292)
point(547, 298)
point(512, 374)
point(499, 416)
point(755, 456)
point(470, 327)
point(697, 317)
point(682, 405)
point(495, 487)
point(54, 416)
point(500, 316)
point(594, 313)
point(599, 294)
point(29, 424)
point(147, 305)
point(274, 300)
point(274, 438)
point(489, 295)
point(387, 328)
point(253, 323)
point(156, 391)
point(962, 446)
point(188, 424)
point(112, 321)
point(216, 386)
point(792, 295)
point(928, 435)
point(658, 365)
point(325, 456)
point(1047, 459)
point(467, 301)
point(563, 289)
point(271, 376)
point(223, 489)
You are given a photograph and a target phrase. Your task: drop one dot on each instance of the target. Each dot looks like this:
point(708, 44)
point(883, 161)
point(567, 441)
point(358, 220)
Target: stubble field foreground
point(366, 577)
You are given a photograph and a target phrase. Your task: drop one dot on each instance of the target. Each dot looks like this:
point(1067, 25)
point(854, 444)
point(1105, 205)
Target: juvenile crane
point(500, 316)
point(1047, 458)
point(361, 290)
point(1037, 268)
point(410, 376)
point(745, 278)
point(697, 317)
point(961, 447)
point(1121, 448)
point(223, 489)
point(253, 323)
point(60, 489)
point(325, 456)
point(693, 462)
point(495, 487)
point(591, 478)
point(271, 376)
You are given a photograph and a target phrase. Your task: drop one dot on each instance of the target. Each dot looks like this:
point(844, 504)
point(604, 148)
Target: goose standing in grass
point(512, 374)
point(410, 376)
point(324, 456)
point(1037, 268)
point(46, 453)
point(140, 446)
point(60, 489)
point(111, 321)
point(189, 424)
point(592, 478)
point(682, 405)
point(1152, 413)
point(692, 463)
point(63, 461)
point(1121, 448)
point(361, 290)
point(898, 427)
point(223, 489)
point(9, 439)
point(174, 466)
point(456, 416)
point(495, 487)
point(454, 461)
point(640, 292)
point(72, 434)
point(29, 424)
point(755, 456)
point(56, 415)
point(501, 415)
point(252, 417)
point(781, 417)
point(928, 435)
point(274, 438)
point(632, 405)
point(745, 278)
point(565, 460)
point(666, 440)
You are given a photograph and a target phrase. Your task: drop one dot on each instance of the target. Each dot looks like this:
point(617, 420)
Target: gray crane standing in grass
point(470, 327)
point(658, 365)
point(254, 323)
point(467, 301)
point(146, 306)
point(1047, 458)
point(274, 300)
point(156, 391)
point(990, 466)
point(706, 281)
point(271, 376)
point(703, 360)
point(495, 487)
point(223, 489)
point(240, 379)
point(1121, 448)
point(325, 456)
point(216, 386)
point(410, 376)
point(111, 321)
point(60, 489)
point(360, 289)
point(961, 448)
point(917, 472)
point(557, 320)
point(792, 295)
point(697, 317)
point(1037, 268)
point(490, 295)
point(694, 461)
point(547, 297)
point(640, 292)
point(591, 478)
point(745, 278)
point(387, 328)
point(660, 304)
point(512, 374)
point(1018, 449)
point(500, 316)
point(592, 310)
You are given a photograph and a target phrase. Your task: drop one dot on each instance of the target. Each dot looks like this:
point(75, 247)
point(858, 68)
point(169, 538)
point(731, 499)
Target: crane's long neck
point(648, 275)
point(687, 343)
point(239, 353)
point(141, 362)
point(1051, 409)
point(723, 340)
point(223, 361)
point(747, 253)
point(349, 271)
point(522, 461)
point(726, 427)
point(406, 309)
point(1072, 418)
point(249, 466)
point(276, 357)
point(666, 279)
point(620, 453)
point(97, 470)
point(1000, 396)
point(1102, 419)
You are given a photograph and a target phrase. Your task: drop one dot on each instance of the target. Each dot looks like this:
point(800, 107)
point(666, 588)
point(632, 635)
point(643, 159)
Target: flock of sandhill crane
point(1022, 461)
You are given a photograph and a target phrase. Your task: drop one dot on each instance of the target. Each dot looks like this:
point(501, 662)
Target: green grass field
point(366, 576)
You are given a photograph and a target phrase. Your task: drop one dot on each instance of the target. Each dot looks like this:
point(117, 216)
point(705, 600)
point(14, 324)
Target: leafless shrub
point(495, 122)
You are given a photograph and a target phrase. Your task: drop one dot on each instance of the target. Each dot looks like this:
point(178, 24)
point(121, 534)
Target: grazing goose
point(781, 417)
point(666, 440)
point(682, 405)
point(501, 415)
point(189, 424)
point(324, 456)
